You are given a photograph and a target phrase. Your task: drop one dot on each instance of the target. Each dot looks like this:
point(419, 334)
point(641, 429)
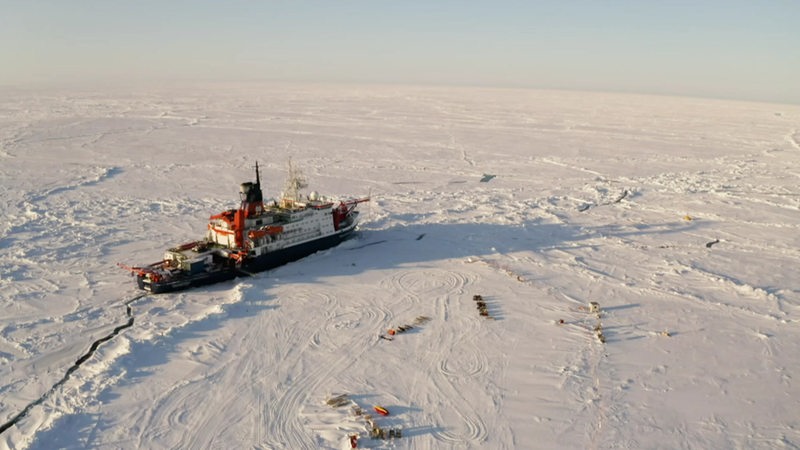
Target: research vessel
point(255, 237)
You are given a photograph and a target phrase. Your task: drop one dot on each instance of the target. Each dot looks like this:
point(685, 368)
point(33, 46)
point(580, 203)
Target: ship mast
point(294, 182)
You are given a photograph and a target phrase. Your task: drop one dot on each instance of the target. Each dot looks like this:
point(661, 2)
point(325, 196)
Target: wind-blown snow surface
point(613, 199)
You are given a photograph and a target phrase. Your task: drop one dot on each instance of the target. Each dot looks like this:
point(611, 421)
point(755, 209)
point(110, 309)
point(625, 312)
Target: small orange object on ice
point(391, 331)
point(381, 410)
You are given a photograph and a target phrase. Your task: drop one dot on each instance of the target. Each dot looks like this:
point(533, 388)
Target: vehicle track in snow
point(336, 334)
point(464, 369)
point(454, 420)
point(427, 290)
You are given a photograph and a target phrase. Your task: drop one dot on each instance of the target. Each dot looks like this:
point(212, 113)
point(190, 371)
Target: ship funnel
point(244, 190)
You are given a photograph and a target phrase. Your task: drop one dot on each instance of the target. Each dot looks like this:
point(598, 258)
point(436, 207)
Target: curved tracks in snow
point(283, 413)
point(463, 369)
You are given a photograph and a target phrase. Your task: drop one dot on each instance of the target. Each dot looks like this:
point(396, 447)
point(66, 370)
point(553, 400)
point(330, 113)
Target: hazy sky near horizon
point(736, 49)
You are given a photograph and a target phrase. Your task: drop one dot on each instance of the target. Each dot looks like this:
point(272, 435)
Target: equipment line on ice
point(95, 345)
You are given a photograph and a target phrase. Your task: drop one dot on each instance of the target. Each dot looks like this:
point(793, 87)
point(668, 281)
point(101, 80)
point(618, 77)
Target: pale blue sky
point(731, 49)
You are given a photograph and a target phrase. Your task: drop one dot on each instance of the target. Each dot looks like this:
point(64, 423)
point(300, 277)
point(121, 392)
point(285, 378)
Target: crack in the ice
point(95, 345)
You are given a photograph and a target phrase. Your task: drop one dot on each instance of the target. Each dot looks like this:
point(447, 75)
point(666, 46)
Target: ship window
point(258, 222)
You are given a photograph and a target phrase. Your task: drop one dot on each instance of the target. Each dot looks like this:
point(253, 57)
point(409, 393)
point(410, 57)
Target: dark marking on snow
point(587, 206)
point(95, 345)
point(709, 244)
point(368, 244)
point(487, 178)
point(622, 196)
point(420, 236)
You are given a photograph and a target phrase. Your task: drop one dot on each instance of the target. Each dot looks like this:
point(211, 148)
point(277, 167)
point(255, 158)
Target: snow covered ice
point(605, 198)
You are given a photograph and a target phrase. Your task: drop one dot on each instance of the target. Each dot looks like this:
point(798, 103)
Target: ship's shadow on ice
point(403, 245)
point(377, 249)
